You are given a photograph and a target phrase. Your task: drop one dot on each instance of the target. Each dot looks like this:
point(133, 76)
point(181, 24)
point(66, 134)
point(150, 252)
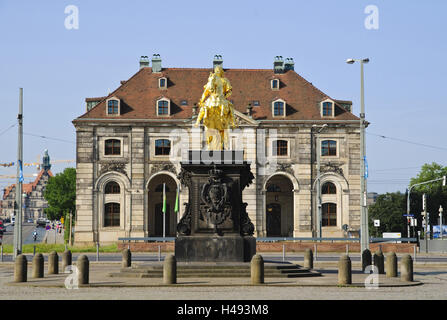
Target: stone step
point(221, 275)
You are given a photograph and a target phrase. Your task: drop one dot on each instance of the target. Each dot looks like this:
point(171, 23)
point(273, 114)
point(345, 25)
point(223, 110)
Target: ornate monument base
point(215, 248)
point(215, 226)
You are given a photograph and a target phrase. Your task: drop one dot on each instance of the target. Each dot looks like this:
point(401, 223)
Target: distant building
point(33, 200)
point(372, 198)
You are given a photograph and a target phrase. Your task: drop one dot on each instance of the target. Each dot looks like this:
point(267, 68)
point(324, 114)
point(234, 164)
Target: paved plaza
point(430, 283)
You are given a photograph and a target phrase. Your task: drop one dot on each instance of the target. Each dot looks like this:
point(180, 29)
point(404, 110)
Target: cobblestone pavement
point(434, 287)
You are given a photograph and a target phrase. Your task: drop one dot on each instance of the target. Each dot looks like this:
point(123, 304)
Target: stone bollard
point(66, 260)
point(391, 265)
point(82, 265)
point(20, 269)
point(379, 262)
point(127, 258)
point(257, 269)
point(366, 259)
point(170, 270)
point(308, 259)
point(38, 263)
point(344, 270)
point(53, 263)
point(406, 268)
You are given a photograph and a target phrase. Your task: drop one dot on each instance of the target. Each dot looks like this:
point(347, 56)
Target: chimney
point(249, 109)
point(144, 62)
point(217, 61)
point(156, 63)
point(278, 65)
point(289, 64)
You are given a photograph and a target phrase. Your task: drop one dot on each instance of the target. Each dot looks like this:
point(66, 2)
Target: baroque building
point(130, 144)
point(33, 201)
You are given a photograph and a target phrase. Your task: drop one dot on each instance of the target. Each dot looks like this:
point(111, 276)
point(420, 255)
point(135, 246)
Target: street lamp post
point(18, 207)
point(319, 205)
point(364, 232)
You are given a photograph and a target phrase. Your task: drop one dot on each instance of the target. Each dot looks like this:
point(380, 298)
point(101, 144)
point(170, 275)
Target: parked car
point(30, 221)
point(41, 222)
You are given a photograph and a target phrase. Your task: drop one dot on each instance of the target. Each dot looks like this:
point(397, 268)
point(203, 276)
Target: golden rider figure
point(216, 111)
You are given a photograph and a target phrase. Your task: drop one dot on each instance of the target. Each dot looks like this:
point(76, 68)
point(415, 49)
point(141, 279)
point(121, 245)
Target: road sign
point(376, 223)
point(409, 215)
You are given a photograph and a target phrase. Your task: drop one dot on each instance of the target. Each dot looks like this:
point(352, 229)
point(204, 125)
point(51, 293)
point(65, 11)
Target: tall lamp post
point(18, 206)
point(319, 205)
point(364, 232)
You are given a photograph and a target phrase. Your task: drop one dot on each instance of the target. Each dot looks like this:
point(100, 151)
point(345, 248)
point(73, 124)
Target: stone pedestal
point(215, 226)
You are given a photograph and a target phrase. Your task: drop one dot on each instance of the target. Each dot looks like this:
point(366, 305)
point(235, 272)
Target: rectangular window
point(163, 107)
point(278, 109)
point(327, 109)
point(184, 102)
point(162, 83)
point(112, 107)
point(112, 215)
point(112, 147)
point(328, 148)
point(275, 84)
point(280, 148)
point(162, 147)
point(256, 103)
point(329, 218)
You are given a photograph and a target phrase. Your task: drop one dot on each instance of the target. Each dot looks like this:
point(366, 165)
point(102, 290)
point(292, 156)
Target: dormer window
point(256, 103)
point(279, 108)
point(184, 102)
point(162, 83)
point(327, 108)
point(275, 84)
point(163, 107)
point(113, 107)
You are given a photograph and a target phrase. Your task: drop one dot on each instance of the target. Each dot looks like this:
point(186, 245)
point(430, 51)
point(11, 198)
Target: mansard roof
point(139, 94)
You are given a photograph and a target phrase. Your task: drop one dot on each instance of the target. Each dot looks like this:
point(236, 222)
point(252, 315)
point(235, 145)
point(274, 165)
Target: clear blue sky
point(406, 96)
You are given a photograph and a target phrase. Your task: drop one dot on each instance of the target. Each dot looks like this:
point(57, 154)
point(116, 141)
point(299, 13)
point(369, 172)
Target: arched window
point(162, 147)
point(163, 107)
point(278, 108)
point(112, 188)
point(112, 214)
point(112, 147)
point(112, 107)
point(329, 215)
point(280, 148)
point(328, 188)
point(328, 148)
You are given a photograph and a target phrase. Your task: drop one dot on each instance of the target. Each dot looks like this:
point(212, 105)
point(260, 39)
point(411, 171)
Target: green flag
point(176, 202)
point(164, 198)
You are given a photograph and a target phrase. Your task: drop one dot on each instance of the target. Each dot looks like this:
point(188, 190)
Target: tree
point(429, 172)
point(60, 194)
point(389, 209)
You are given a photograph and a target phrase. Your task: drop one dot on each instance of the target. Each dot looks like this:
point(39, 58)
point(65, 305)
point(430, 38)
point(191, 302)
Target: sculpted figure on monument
point(215, 195)
point(216, 111)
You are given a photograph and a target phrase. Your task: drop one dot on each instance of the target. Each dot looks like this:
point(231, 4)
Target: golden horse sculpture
point(216, 111)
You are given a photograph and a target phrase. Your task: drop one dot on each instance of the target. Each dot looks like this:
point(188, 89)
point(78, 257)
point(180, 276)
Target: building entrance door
point(273, 220)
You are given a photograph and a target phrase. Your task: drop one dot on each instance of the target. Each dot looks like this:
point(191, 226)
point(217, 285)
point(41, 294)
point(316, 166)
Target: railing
point(276, 239)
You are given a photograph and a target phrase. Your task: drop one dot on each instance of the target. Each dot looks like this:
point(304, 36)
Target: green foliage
point(60, 193)
point(429, 172)
point(389, 209)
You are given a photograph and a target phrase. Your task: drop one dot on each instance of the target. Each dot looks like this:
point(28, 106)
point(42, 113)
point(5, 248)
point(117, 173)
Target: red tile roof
point(27, 187)
point(139, 94)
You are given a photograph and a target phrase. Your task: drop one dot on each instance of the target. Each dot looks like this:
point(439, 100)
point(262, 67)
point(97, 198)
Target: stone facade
point(282, 200)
